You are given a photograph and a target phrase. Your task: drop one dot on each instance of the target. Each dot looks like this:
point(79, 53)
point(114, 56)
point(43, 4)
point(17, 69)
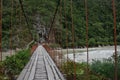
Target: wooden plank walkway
point(40, 67)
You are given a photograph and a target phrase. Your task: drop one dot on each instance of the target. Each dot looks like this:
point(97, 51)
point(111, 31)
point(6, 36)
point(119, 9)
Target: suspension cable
point(59, 55)
point(66, 26)
point(26, 19)
point(56, 48)
point(86, 11)
point(16, 22)
point(21, 4)
point(115, 41)
point(20, 20)
point(73, 40)
point(54, 16)
point(10, 29)
point(0, 30)
point(61, 29)
point(53, 43)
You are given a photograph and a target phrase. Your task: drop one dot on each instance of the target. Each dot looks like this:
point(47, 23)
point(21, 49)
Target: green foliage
point(99, 70)
point(105, 68)
point(118, 38)
point(54, 45)
point(68, 69)
point(92, 42)
point(1, 71)
point(15, 63)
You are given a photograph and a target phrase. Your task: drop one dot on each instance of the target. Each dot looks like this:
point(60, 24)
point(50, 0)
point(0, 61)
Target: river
point(98, 53)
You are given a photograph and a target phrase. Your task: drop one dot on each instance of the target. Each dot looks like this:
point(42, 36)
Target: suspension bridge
point(45, 62)
point(40, 67)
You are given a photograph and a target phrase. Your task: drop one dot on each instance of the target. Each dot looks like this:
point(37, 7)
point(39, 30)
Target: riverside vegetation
point(98, 70)
point(13, 65)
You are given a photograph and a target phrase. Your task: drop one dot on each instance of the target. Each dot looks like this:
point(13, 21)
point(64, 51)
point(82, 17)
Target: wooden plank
point(31, 64)
point(23, 73)
point(40, 72)
point(55, 74)
point(28, 64)
point(49, 71)
point(27, 75)
point(32, 74)
point(30, 67)
point(53, 69)
point(40, 79)
point(53, 64)
point(41, 75)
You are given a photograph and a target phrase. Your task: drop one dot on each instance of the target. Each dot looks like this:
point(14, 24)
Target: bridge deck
point(40, 67)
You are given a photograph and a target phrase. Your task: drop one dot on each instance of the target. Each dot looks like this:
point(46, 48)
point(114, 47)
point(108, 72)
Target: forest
point(100, 21)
